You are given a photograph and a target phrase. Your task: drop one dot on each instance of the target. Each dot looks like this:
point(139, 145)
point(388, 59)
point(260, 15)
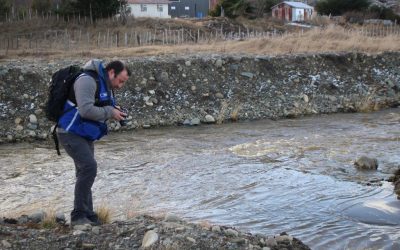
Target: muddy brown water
point(267, 177)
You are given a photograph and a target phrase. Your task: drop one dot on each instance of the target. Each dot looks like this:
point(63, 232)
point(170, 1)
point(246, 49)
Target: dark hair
point(118, 67)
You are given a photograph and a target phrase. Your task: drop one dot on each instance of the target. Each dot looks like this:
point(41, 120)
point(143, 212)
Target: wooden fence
point(87, 38)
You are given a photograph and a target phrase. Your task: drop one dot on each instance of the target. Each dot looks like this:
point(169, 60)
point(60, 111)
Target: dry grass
point(49, 220)
point(235, 113)
point(330, 39)
point(104, 213)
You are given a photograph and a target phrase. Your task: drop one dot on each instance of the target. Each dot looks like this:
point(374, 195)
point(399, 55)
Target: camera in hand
point(123, 122)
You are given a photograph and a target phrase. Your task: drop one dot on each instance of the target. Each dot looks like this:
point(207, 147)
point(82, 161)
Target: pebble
point(60, 217)
point(231, 232)
point(17, 121)
point(216, 229)
point(88, 246)
point(218, 63)
point(37, 217)
point(209, 119)
point(191, 239)
point(149, 238)
point(366, 163)
point(96, 230)
point(78, 232)
point(247, 74)
point(271, 242)
point(171, 218)
point(6, 244)
point(188, 63)
point(84, 227)
point(195, 121)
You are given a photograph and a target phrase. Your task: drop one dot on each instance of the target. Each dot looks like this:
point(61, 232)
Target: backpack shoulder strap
point(90, 73)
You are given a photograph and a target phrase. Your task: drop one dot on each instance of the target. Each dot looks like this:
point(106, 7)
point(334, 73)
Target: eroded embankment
point(214, 88)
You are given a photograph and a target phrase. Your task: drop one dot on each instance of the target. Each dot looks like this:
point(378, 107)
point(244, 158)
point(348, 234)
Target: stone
point(146, 125)
point(266, 248)
point(281, 238)
point(186, 122)
point(25, 96)
point(88, 246)
point(149, 238)
point(153, 100)
point(78, 232)
point(96, 230)
point(32, 126)
point(84, 227)
point(305, 98)
point(10, 138)
point(19, 128)
point(271, 242)
point(188, 63)
point(31, 133)
point(195, 121)
point(33, 119)
point(23, 219)
point(218, 63)
point(21, 78)
point(219, 95)
point(6, 244)
point(216, 229)
point(38, 111)
point(17, 121)
point(151, 92)
point(191, 239)
point(366, 163)
point(164, 76)
point(209, 119)
point(60, 217)
point(37, 217)
point(231, 232)
point(247, 74)
point(193, 88)
point(171, 218)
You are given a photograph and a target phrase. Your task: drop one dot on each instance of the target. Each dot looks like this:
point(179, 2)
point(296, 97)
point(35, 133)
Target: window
point(143, 7)
point(159, 8)
point(186, 7)
point(172, 7)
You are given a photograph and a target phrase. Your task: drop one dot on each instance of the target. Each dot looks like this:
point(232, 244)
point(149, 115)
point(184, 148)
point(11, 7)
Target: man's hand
point(118, 115)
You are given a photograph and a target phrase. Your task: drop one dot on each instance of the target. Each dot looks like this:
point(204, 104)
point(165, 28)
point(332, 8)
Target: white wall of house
point(297, 14)
point(149, 10)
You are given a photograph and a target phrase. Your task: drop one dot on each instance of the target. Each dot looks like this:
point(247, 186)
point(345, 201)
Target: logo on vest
point(102, 95)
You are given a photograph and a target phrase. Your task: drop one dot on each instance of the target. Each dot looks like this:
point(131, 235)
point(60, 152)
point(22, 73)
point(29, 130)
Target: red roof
point(148, 1)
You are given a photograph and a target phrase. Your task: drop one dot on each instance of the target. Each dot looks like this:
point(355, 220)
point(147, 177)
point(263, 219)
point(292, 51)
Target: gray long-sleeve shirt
point(85, 91)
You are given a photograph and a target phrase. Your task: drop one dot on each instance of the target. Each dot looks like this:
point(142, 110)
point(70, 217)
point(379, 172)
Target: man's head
point(118, 74)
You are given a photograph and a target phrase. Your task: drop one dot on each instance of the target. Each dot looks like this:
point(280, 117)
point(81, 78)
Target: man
point(90, 103)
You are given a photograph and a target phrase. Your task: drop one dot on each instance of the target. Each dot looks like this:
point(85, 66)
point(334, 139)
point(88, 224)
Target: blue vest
point(72, 122)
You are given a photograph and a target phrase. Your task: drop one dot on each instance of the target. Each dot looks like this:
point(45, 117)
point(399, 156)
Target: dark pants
point(82, 152)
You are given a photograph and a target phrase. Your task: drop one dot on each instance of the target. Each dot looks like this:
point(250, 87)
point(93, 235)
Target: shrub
point(384, 13)
point(339, 7)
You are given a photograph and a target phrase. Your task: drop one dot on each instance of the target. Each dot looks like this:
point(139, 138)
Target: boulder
point(366, 163)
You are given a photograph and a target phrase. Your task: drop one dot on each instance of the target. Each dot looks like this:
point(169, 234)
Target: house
point(292, 11)
point(149, 8)
point(190, 8)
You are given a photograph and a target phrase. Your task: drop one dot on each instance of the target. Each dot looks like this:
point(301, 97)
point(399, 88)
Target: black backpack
point(60, 89)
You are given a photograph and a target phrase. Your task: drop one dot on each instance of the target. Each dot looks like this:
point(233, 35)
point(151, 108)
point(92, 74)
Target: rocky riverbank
point(141, 232)
point(212, 89)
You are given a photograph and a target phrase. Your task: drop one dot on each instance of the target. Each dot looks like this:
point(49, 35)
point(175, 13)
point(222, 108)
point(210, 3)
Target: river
point(292, 175)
